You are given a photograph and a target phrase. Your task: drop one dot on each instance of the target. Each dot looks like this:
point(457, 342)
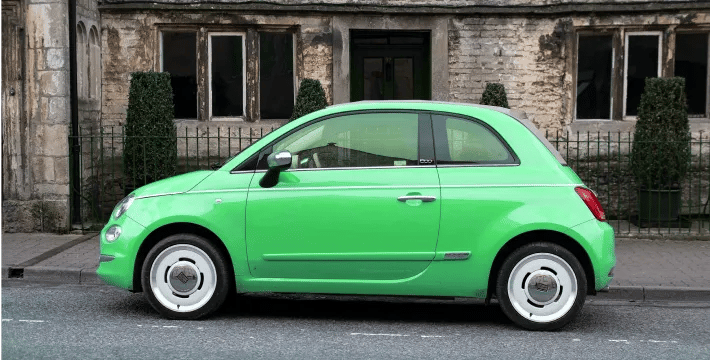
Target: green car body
point(342, 230)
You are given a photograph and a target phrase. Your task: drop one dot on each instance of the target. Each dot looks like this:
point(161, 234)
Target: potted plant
point(494, 95)
point(150, 145)
point(311, 97)
point(660, 156)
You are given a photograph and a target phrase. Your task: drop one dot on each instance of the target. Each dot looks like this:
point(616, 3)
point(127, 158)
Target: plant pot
point(659, 205)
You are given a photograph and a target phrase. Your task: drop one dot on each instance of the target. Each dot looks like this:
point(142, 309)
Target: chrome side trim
point(509, 185)
point(217, 191)
point(348, 187)
point(156, 195)
point(476, 165)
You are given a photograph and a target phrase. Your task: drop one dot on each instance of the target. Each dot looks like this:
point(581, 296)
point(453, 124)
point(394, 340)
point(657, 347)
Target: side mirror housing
point(277, 162)
point(280, 160)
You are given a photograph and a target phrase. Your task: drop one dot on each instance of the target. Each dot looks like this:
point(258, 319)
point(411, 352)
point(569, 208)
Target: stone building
point(571, 65)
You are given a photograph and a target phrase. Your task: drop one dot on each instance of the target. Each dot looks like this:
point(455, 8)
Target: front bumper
point(117, 259)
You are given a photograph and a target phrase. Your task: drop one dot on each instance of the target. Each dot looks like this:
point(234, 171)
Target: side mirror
point(280, 160)
point(277, 162)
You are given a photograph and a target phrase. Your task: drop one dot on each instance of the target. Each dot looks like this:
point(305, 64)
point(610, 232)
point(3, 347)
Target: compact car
point(411, 198)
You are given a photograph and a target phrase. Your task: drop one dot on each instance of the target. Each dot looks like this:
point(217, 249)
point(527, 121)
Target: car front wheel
point(185, 277)
point(541, 286)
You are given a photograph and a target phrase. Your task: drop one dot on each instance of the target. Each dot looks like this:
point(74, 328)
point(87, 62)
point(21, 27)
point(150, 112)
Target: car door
point(360, 201)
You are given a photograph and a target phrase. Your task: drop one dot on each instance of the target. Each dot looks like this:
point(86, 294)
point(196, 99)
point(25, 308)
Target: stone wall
point(535, 59)
point(130, 42)
point(45, 188)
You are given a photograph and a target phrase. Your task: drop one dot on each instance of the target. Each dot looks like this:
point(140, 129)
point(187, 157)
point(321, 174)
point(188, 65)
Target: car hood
point(173, 185)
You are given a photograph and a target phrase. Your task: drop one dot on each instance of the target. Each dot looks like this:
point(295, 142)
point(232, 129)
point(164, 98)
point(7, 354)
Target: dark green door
point(390, 66)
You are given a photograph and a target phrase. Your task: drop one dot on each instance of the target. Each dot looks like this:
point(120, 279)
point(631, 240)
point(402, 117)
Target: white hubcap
point(542, 287)
point(183, 278)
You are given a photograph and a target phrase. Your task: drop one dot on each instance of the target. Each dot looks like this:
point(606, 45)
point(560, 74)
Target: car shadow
point(405, 309)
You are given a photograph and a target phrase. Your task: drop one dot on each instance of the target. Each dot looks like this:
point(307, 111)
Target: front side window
point(358, 140)
point(460, 141)
point(691, 62)
point(179, 58)
point(227, 81)
point(643, 54)
point(594, 72)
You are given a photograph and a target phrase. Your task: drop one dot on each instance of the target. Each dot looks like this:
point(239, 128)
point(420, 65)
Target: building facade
point(575, 65)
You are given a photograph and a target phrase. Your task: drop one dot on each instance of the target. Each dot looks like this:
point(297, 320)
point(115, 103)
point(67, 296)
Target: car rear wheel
point(185, 277)
point(541, 286)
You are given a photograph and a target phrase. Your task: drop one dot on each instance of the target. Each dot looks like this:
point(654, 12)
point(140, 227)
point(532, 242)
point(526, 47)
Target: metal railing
point(600, 159)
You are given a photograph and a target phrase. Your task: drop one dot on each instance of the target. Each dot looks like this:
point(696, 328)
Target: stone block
point(56, 58)
point(43, 169)
point(52, 189)
point(61, 169)
point(52, 140)
point(54, 83)
point(47, 25)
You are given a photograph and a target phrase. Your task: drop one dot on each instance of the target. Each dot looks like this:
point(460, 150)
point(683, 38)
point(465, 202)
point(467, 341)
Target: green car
point(410, 198)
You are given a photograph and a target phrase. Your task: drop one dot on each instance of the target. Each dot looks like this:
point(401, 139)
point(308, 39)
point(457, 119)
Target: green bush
point(311, 97)
point(494, 95)
point(660, 155)
point(150, 148)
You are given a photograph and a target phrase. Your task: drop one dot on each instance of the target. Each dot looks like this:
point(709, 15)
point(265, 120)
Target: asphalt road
point(99, 322)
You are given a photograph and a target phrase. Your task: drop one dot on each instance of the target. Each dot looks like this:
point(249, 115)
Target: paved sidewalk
point(670, 270)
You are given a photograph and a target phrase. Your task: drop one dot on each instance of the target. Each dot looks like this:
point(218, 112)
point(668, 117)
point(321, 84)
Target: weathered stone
point(43, 169)
point(54, 83)
point(47, 25)
point(52, 140)
point(57, 58)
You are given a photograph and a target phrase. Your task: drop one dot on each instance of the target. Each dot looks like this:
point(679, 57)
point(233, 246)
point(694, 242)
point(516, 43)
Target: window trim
point(210, 117)
point(626, 64)
point(612, 77)
point(161, 60)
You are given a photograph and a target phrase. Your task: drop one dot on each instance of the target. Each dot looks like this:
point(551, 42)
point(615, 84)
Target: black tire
point(541, 286)
point(191, 277)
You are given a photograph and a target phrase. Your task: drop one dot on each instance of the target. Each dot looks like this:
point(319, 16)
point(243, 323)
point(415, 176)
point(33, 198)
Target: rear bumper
point(599, 243)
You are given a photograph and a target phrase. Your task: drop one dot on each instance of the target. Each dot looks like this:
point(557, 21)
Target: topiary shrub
point(150, 147)
point(494, 95)
point(311, 97)
point(660, 155)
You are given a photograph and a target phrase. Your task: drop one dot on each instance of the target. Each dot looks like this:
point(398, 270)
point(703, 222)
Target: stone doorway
point(390, 65)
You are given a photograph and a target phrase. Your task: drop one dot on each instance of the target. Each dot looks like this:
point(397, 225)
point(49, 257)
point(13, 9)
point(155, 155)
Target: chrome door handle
point(417, 197)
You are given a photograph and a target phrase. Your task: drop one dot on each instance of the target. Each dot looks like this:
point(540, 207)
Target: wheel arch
point(550, 236)
point(172, 229)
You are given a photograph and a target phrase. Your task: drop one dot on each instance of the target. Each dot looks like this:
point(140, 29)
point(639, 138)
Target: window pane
point(180, 60)
point(374, 77)
point(594, 60)
point(691, 62)
point(642, 63)
point(227, 76)
point(468, 142)
point(276, 75)
point(361, 140)
point(403, 79)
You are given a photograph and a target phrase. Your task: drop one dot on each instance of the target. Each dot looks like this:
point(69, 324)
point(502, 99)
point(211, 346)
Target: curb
point(54, 274)
point(655, 293)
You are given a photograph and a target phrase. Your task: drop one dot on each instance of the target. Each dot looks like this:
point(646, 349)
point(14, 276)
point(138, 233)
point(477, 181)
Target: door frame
point(361, 51)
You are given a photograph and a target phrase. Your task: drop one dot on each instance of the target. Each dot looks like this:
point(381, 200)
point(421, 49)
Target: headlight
point(113, 233)
point(123, 206)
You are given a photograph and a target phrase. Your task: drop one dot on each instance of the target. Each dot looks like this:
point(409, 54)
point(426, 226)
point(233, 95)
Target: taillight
point(592, 202)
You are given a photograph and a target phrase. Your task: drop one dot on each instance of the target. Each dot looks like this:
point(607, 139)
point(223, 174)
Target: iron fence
point(600, 159)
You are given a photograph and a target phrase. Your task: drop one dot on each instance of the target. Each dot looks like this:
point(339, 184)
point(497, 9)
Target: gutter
point(75, 150)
